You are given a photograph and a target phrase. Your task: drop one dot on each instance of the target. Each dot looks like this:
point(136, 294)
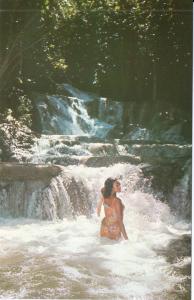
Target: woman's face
point(116, 187)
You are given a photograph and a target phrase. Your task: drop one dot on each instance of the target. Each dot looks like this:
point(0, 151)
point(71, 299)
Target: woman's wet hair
point(108, 186)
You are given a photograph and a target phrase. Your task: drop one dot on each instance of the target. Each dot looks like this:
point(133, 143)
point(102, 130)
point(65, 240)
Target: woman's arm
point(119, 211)
point(99, 205)
point(122, 226)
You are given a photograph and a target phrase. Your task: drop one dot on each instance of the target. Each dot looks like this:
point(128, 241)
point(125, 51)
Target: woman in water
point(112, 225)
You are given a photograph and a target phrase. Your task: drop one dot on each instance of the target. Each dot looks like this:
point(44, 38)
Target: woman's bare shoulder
point(120, 201)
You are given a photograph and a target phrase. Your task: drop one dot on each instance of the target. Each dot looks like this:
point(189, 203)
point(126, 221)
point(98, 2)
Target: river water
point(64, 257)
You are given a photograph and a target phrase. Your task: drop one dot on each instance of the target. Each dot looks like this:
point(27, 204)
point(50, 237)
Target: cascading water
point(50, 231)
point(181, 196)
point(67, 259)
point(68, 115)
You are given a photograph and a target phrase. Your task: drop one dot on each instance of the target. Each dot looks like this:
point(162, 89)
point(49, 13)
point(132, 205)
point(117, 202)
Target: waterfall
point(110, 111)
point(76, 190)
point(72, 111)
point(180, 199)
point(61, 196)
point(71, 249)
point(68, 115)
point(64, 116)
point(74, 92)
point(49, 228)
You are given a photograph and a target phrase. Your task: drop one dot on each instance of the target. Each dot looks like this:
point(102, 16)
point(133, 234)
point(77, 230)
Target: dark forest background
point(133, 51)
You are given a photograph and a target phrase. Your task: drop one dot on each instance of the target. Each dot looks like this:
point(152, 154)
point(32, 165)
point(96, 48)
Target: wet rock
point(180, 198)
point(105, 161)
point(159, 152)
point(163, 177)
point(102, 149)
point(41, 192)
point(14, 171)
point(63, 160)
point(179, 250)
point(172, 182)
point(93, 161)
point(160, 132)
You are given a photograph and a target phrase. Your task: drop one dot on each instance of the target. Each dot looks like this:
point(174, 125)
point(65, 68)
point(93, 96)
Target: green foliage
point(25, 110)
point(99, 39)
point(126, 49)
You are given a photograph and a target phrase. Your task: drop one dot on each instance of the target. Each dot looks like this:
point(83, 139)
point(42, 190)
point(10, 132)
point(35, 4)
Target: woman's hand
point(126, 237)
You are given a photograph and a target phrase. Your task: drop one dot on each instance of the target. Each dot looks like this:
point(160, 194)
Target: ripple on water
point(66, 259)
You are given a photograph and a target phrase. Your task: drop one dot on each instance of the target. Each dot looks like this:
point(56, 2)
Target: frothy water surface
point(68, 259)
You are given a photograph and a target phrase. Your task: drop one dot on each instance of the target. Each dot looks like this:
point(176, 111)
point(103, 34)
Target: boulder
point(105, 161)
point(15, 171)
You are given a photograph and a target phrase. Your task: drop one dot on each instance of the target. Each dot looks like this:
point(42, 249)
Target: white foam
point(71, 253)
